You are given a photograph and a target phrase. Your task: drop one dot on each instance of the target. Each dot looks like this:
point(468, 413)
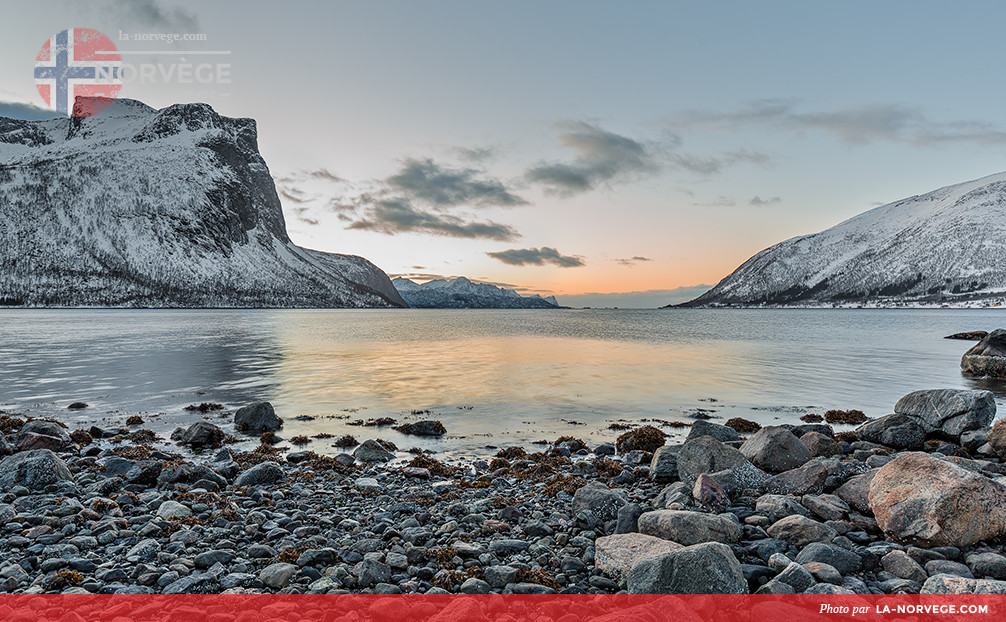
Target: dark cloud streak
point(537, 257)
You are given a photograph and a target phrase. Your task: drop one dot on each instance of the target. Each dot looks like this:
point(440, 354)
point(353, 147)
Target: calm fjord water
point(494, 377)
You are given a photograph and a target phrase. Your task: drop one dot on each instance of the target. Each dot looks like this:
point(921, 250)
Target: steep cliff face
point(164, 208)
point(945, 247)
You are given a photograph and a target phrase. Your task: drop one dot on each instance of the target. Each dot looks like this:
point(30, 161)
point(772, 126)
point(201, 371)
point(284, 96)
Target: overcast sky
point(573, 147)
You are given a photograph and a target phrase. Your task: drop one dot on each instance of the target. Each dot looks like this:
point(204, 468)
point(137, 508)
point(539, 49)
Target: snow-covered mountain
point(142, 207)
point(944, 247)
point(460, 293)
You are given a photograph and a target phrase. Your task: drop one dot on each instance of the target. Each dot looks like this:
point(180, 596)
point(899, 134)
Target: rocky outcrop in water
point(987, 357)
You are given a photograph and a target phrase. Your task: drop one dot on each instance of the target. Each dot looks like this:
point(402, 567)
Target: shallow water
point(493, 377)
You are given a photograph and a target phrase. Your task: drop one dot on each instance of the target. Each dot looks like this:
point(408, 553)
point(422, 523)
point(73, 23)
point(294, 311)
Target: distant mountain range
point(136, 207)
point(946, 247)
point(461, 293)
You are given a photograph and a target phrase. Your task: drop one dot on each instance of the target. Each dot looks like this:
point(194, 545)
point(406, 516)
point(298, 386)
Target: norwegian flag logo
point(78, 62)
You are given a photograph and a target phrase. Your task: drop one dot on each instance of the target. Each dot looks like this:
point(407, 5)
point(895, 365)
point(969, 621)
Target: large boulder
point(721, 433)
point(800, 531)
point(705, 454)
point(600, 500)
point(897, 430)
point(931, 502)
point(949, 412)
point(807, 479)
point(708, 568)
point(689, 528)
point(257, 418)
point(664, 466)
point(996, 438)
point(987, 357)
point(34, 470)
point(616, 554)
point(856, 491)
point(775, 449)
point(372, 451)
point(39, 434)
point(261, 474)
point(201, 434)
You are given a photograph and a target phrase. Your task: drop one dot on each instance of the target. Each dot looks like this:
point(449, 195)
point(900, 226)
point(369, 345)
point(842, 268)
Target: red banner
point(494, 608)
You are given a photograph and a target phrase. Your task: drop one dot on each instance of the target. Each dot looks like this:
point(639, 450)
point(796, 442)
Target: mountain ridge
point(461, 292)
point(946, 247)
point(137, 207)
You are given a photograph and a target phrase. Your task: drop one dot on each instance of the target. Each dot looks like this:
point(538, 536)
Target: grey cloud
point(860, 124)
point(420, 198)
point(601, 157)
point(153, 13)
point(720, 201)
point(475, 154)
point(537, 257)
point(711, 165)
point(631, 261)
point(760, 202)
point(324, 173)
point(427, 181)
point(26, 112)
point(391, 216)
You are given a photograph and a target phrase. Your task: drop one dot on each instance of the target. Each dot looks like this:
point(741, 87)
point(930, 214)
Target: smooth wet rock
point(899, 431)
point(201, 434)
point(261, 474)
point(775, 449)
point(945, 566)
point(809, 478)
point(845, 561)
point(257, 418)
point(705, 454)
point(173, 509)
point(987, 358)
point(800, 531)
point(423, 428)
point(600, 500)
point(708, 568)
point(372, 451)
point(987, 564)
point(721, 433)
point(902, 566)
point(949, 412)
point(38, 434)
point(796, 576)
point(856, 491)
point(627, 520)
point(821, 445)
point(709, 495)
point(278, 575)
point(777, 507)
point(826, 507)
point(664, 465)
point(688, 528)
point(921, 499)
point(34, 470)
point(616, 554)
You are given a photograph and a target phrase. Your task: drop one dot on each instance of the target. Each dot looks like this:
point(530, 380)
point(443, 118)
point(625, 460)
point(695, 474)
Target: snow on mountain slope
point(140, 207)
point(460, 293)
point(944, 247)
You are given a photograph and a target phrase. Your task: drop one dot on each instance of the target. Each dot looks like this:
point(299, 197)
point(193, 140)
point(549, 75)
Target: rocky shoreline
point(908, 503)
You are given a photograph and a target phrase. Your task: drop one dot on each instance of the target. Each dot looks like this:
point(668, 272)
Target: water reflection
point(491, 376)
